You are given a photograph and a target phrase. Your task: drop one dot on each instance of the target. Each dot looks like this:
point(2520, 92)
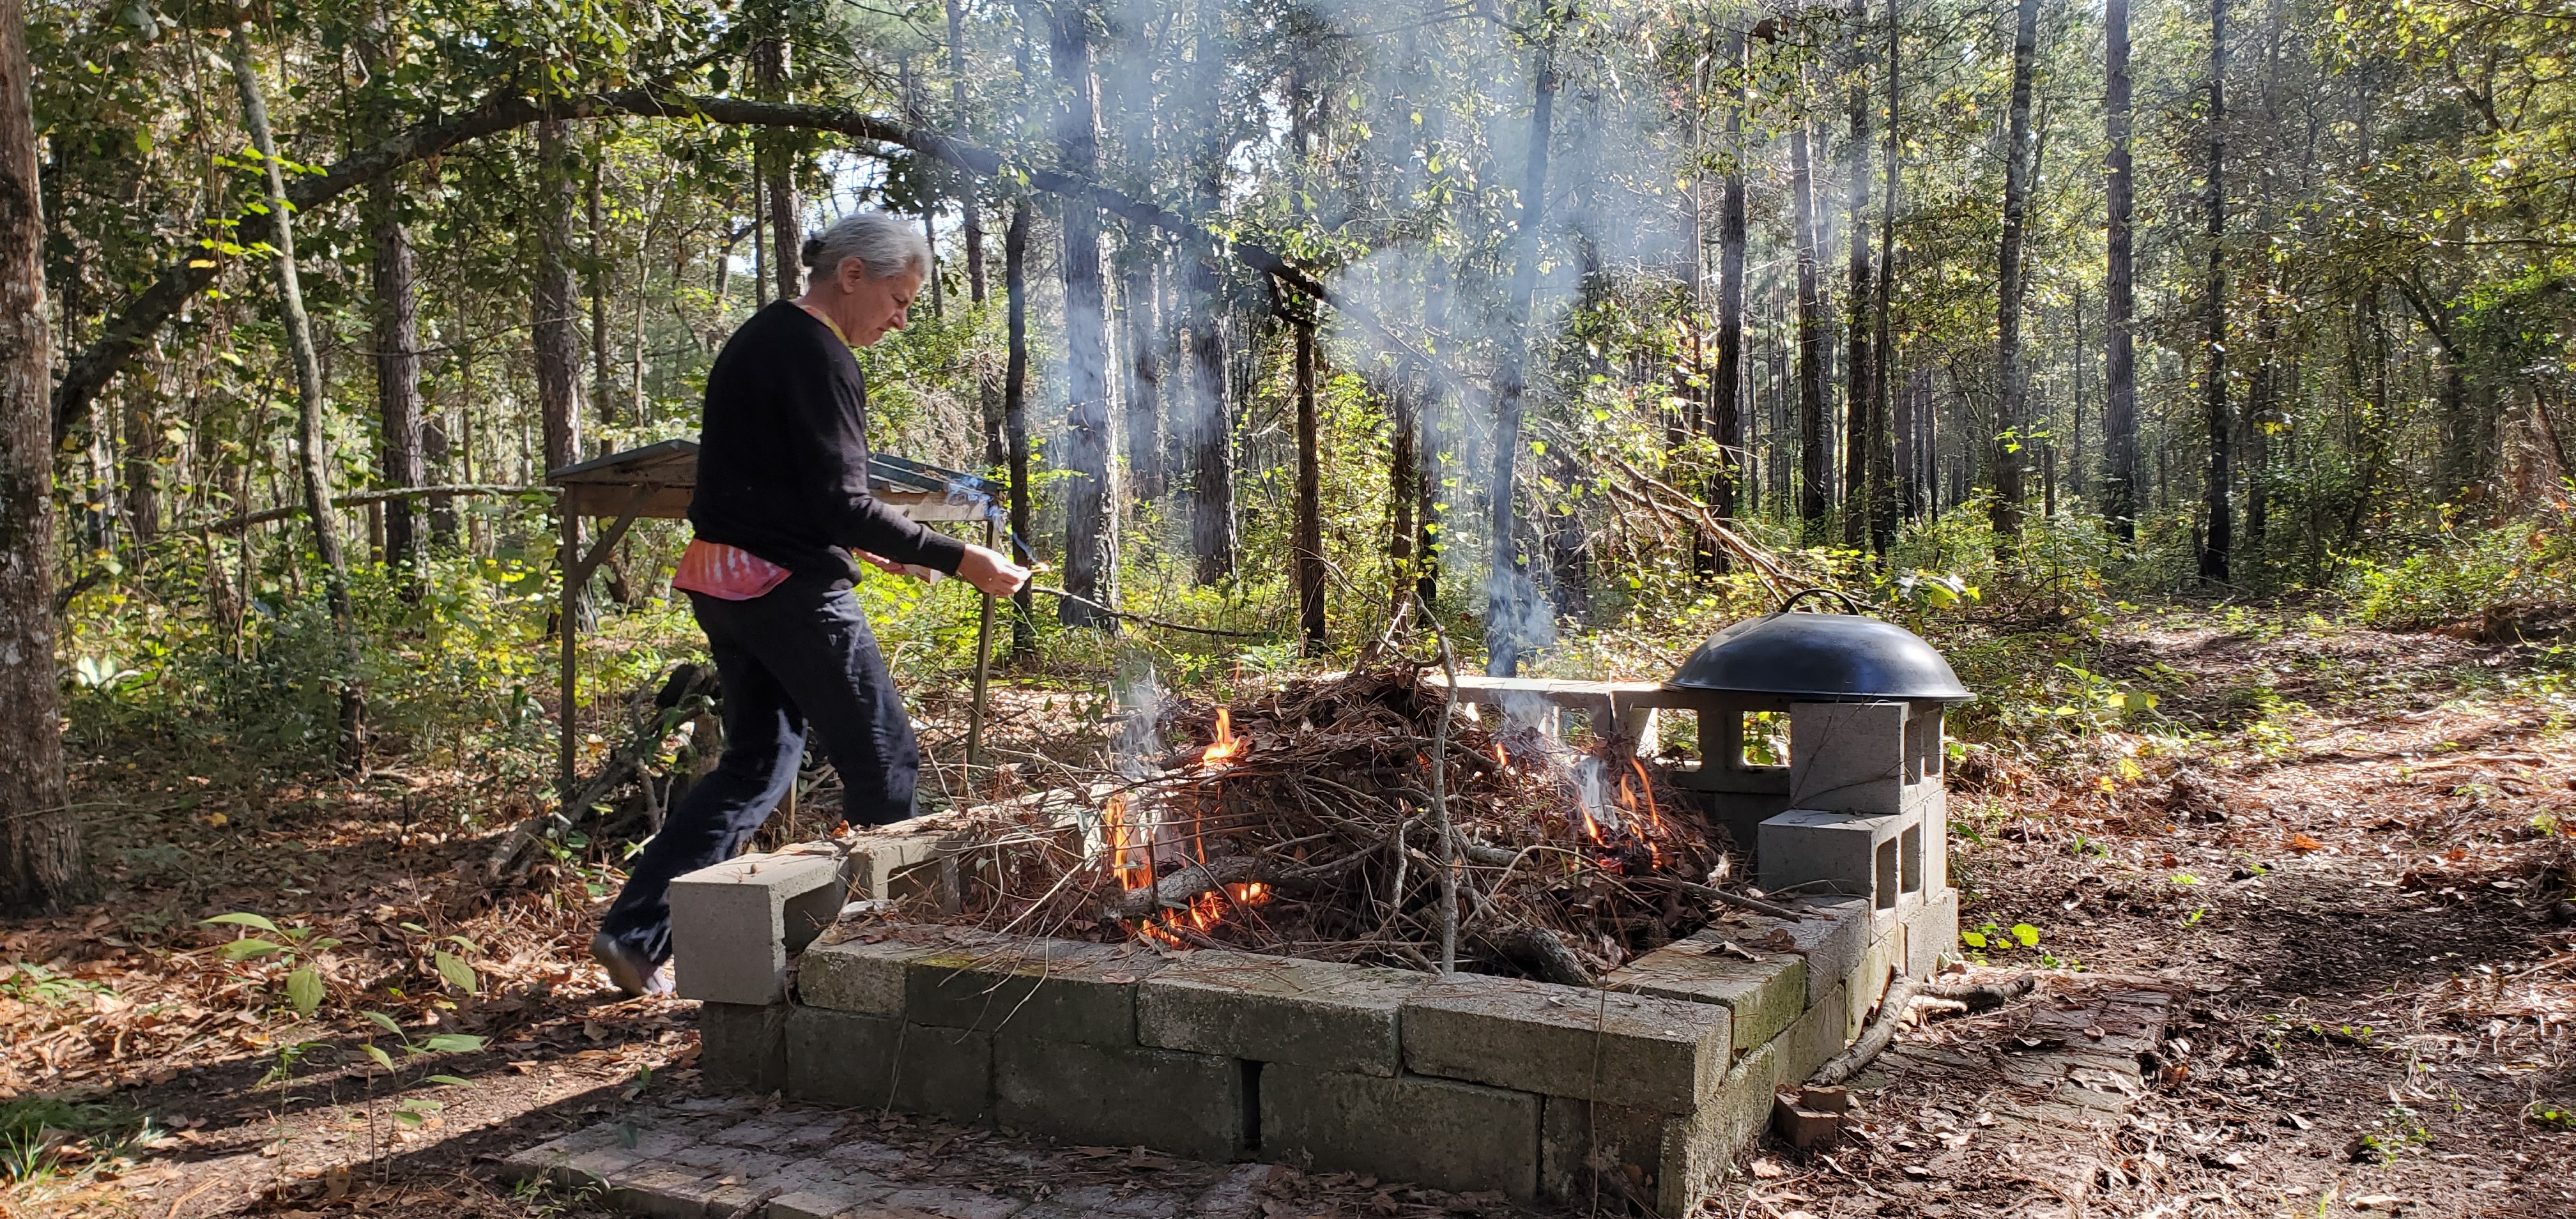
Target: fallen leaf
point(1769, 1169)
point(2301, 842)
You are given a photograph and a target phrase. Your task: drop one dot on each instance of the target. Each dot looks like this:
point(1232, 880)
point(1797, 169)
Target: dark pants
point(799, 659)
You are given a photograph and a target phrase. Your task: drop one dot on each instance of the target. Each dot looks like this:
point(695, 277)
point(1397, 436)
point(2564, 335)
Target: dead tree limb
point(1891, 1016)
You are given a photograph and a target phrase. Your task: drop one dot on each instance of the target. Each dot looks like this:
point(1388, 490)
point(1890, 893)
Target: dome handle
point(1791, 601)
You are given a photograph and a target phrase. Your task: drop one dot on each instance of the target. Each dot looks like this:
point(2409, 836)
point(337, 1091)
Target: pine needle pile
point(1306, 823)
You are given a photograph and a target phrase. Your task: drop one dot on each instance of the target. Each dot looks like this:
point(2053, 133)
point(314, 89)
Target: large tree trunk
point(2011, 442)
point(554, 336)
point(2217, 420)
point(595, 275)
point(2120, 367)
point(1886, 433)
point(967, 201)
point(1015, 417)
point(1505, 598)
point(398, 402)
point(1209, 428)
point(310, 402)
point(1815, 499)
point(1090, 528)
point(1308, 540)
point(1726, 409)
point(1860, 412)
point(1144, 336)
point(777, 156)
point(42, 868)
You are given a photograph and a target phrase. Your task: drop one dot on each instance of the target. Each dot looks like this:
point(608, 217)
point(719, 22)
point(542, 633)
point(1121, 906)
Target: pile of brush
point(1334, 819)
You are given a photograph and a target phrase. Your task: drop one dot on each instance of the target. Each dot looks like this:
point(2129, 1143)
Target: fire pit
point(1073, 963)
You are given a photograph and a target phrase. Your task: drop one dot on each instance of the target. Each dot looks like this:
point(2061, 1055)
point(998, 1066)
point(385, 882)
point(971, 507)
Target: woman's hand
point(990, 572)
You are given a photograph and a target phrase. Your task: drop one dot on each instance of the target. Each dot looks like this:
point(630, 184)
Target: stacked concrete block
point(735, 926)
point(1761, 991)
point(1439, 1132)
point(1266, 1009)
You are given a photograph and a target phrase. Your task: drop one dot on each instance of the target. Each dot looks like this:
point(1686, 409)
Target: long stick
point(1147, 619)
point(983, 671)
point(1440, 811)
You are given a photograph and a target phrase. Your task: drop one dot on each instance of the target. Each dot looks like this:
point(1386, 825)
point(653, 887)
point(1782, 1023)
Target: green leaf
point(458, 974)
point(451, 1081)
point(304, 990)
point(377, 1052)
point(385, 1022)
point(240, 950)
point(407, 1117)
point(238, 919)
point(445, 1043)
point(1972, 939)
point(2027, 934)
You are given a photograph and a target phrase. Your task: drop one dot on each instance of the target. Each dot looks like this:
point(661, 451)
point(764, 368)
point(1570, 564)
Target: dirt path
point(2345, 859)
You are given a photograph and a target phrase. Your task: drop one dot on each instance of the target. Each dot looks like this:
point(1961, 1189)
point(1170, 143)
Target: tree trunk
point(1403, 473)
point(1309, 527)
point(1726, 406)
point(1144, 374)
point(1886, 432)
point(2012, 409)
point(2217, 420)
point(967, 201)
point(2119, 373)
point(1505, 601)
point(554, 336)
point(1015, 416)
point(1815, 500)
point(595, 275)
point(310, 402)
point(1860, 421)
point(1090, 528)
point(1209, 429)
point(777, 158)
point(42, 867)
point(398, 401)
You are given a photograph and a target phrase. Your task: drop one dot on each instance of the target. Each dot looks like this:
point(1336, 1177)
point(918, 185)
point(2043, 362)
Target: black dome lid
point(1823, 658)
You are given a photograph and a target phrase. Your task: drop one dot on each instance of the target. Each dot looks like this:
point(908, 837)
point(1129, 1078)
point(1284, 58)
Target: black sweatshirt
point(783, 456)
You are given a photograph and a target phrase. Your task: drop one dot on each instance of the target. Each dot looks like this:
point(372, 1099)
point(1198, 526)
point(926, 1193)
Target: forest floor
point(2352, 866)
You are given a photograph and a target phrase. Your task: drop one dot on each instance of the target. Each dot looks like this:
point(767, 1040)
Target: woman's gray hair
point(882, 243)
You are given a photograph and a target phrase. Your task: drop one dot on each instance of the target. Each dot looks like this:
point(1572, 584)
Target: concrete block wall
point(1463, 1083)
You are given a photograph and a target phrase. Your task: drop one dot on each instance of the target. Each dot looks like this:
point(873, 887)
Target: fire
point(1184, 927)
point(1225, 748)
point(1131, 857)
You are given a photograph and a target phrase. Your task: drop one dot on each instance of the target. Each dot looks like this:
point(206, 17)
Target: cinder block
point(1931, 933)
point(1810, 852)
point(876, 855)
point(1062, 990)
point(1725, 1125)
point(1869, 976)
point(743, 1046)
point(1819, 1034)
point(1847, 757)
point(1831, 944)
point(1578, 1138)
point(1319, 1014)
point(1438, 1132)
point(1762, 996)
point(868, 1062)
point(863, 977)
point(1190, 1104)
point(1562, 1041)
point(735, 925)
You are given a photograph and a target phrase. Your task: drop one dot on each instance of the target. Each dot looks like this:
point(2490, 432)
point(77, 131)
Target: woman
point(782, 512)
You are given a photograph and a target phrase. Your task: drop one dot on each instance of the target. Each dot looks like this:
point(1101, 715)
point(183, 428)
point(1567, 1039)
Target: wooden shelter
point(656, 481)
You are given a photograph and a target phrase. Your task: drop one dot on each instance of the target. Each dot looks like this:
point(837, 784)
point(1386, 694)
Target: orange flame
point(1203, 914)
point(1225, 748)
point(1130, 860)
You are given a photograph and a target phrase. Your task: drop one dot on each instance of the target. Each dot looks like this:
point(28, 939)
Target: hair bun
point(812, 254)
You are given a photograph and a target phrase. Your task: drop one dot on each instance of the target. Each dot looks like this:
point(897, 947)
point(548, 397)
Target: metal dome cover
point(1824, 657)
